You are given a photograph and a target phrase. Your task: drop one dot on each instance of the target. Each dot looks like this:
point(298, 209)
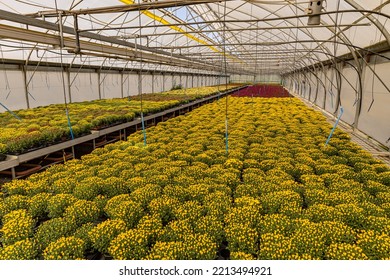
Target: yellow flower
point(65, 248)
point(104, 232)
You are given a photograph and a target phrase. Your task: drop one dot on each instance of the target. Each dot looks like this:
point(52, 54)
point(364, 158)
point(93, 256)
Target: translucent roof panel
point(248, 37)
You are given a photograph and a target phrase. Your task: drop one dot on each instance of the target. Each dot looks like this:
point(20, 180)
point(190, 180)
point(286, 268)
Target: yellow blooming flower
point(277, 193)
point(104, 232)
point(17, 226)
point(65, 248)
point(341, 251)
point(20, 250)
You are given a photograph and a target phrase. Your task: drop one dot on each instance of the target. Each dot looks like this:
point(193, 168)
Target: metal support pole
point(13, 172)
point(362, 70)
point(69, 85)
point(73, 152)
point(317, 89)
point(338, 83)
point(163, 82)
point(140, 89)
point(99, 85)
point(122, 89)
point(325, 93)
point(76, 31)
point(152, 83)
point(24, 71)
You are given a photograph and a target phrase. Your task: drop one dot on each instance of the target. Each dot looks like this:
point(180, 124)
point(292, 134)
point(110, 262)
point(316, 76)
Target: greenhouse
point(194, 130)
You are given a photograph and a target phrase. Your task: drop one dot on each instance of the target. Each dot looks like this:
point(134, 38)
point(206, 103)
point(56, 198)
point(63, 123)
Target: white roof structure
point(247, 37)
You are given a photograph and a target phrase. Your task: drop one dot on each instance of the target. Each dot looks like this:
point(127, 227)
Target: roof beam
point(69, 30)
point(373, 19)
point(23, 34)
point(161, 4)
point(244, 29)
point(367, 12)
point(15, 64)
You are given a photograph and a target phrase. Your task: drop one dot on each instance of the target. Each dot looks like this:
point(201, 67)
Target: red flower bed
point(263, 91)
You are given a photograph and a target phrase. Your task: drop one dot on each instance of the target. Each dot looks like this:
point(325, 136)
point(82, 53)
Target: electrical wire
point(335, 47)
point(62, 72)
point(34, 4)
point(374, 67)
point(140, 80)
point(226, 84)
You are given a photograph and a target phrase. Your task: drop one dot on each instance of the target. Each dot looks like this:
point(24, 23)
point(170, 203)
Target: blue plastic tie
point(12, 113)
point(143, 127)
point(335, 125)
point(226, 136)
point(69, 124)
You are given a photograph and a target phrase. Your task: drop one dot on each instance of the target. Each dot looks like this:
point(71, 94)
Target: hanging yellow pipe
point(176, 28)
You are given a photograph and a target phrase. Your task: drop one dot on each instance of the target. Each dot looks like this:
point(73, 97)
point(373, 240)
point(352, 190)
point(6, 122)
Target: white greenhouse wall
point(110, 85)
point(374, 119)
point(306, 89)
point(330, 82)
point(196, 81)
point(46, 88)
point(12, 93)
point(158, 83)
point(128, 85)
point(84, 87)
point(167, 82)
point(310, 87)
point(187, 81)
point(146, 83)
point(175, 80)
point(348, 95)
point(321, 90)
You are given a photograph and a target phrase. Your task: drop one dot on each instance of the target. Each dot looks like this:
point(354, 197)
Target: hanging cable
point(62, 70)
point(45, 50)
point(335, 47)
point(375, 63)
point(220, 76)
point(140, 78)
point(256, 89)
point(296, 34)
point(7, 86)
point(188, 98)
point(341, 112)
point(226, 83)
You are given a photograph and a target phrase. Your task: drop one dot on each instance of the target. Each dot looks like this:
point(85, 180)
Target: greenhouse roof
point(246, 37)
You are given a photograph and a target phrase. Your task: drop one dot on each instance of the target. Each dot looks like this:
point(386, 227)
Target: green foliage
point(17, 226)
point(57, 204)
point(130, 245)
point(65, 248)
point(20, 250)
point(38, 205)
point(52, 230)
point(82, 212)
point(104, 232)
